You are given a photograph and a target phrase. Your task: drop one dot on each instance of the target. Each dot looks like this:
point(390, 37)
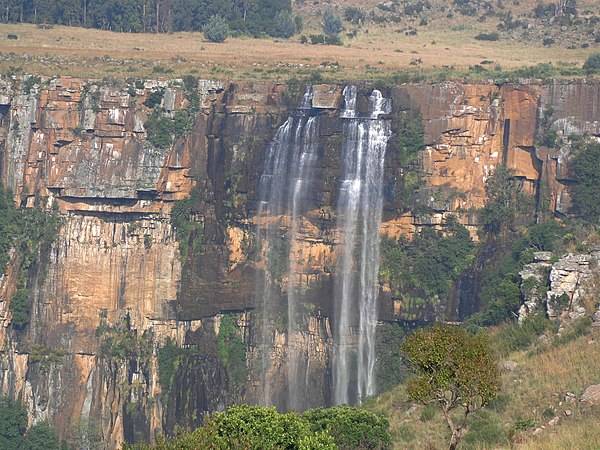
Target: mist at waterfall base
point(286, 200)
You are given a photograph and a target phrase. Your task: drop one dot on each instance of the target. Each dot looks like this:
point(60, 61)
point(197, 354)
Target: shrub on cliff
point(216, 29)
point(504, 200)
point(20, 309)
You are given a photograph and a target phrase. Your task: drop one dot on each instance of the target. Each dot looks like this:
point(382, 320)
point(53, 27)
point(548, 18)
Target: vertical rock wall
point(115, 288)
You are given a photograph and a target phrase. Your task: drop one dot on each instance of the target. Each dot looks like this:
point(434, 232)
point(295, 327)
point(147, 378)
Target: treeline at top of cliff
point(253, 17)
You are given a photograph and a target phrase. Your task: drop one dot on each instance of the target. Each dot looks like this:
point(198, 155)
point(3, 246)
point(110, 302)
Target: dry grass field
point(372, 55)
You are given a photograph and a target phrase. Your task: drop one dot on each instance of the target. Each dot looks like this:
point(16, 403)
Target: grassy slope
point(377, 51)
point(534, 392)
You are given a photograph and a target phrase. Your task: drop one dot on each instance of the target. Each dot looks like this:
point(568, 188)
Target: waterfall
point(284, 200)
point(283, 194)
point(359, 215)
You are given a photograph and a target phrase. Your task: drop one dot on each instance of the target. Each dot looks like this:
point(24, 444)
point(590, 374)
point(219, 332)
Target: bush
point(429, 264)
point(520, 336)
point(486, 430)
point(162, 130)
point(593, 62)
point(350, 428)
point(410, 136)
point(188, 230)
point(390, 366)
point(354, 14)
point(232, 350)
point(493, 36)
point(216, 29)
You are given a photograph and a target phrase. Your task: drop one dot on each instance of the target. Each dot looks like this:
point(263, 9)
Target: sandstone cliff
point(117, 286)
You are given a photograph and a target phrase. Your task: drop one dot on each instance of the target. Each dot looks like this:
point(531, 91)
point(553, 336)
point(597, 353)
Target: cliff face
point(117, 285)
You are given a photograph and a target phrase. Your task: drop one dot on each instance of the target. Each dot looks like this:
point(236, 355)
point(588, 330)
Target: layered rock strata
point(117, 285)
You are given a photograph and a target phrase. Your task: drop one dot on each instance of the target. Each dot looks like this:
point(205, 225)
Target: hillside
point(425, 38)
point(538, 407)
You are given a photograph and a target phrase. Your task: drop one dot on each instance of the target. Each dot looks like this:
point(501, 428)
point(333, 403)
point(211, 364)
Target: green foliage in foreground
point(454, 369)
point(256, 427)
point(13, 423)
point(351, 428)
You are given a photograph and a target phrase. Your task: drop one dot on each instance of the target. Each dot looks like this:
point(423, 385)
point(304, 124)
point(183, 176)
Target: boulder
point(591, 395)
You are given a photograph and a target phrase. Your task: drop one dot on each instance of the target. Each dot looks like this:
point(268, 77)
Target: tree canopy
point(255, 17)
point(253, 427)
point(454, 369)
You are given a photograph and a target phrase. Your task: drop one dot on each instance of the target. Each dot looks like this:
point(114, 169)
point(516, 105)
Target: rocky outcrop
point(118, 285)
point(571, 286)
point(566, 288)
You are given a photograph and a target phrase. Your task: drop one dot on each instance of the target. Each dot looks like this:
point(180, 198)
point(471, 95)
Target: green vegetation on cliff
point(188, 229)
point(428, 264)
point(232, 350)
point(587, 172)
point(29, 232)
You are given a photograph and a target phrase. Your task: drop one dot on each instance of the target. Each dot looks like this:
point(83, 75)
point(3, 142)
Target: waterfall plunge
point(359, 216)
point(284, 191)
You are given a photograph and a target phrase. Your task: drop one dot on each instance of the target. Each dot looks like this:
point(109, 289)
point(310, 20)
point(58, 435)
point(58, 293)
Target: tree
point(216, 29)
point(504, 199)
point(13, 423)
point(20, 309)
point(285, 26)
point(41, 436)
point(586, 165)
point(332, 23)
point(250, 427)
point(454, 369)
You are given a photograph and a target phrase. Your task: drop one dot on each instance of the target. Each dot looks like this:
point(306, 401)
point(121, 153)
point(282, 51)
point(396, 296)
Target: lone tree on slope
point(454, 369)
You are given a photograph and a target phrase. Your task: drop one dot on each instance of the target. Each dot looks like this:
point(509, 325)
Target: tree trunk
point(455, 439)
